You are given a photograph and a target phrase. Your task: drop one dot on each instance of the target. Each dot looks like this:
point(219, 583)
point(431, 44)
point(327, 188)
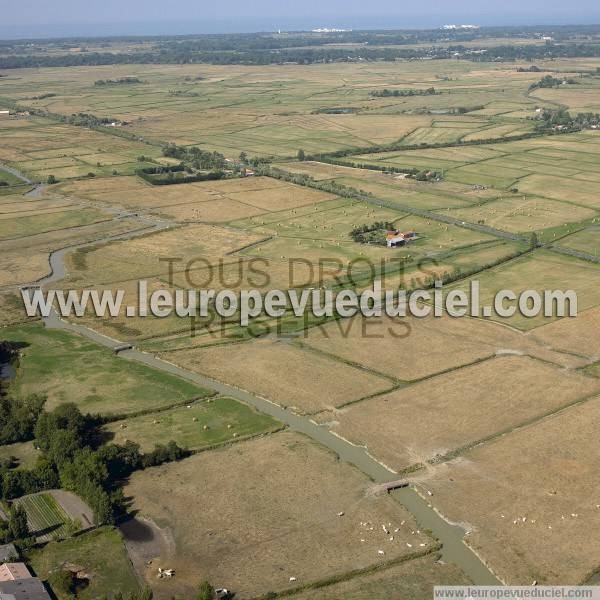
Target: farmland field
point(100, 554)
point(40, 148)
point(286, 375)
point(196, 426)
point(458, 409)
point(532, 502)
point(296, 172)
point(413, 580)
point(295, 526)
point(101, 383)
point(542, 271)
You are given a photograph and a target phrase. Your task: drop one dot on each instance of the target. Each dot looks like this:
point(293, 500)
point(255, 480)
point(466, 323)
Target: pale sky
point(110, 17)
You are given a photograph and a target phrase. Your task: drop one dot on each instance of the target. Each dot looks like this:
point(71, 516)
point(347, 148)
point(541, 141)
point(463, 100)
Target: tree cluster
point(73, 458)
point(385, 93)
point(119, 81)
point(373, 233)
point(195, 157)
point(547, 81)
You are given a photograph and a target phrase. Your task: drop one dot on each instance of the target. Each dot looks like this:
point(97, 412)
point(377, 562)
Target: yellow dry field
point(568, 189)
point(574, 335)
point(40, 147)
point(218, 210)
point(132, 328)
point(440, 415)
point(287, 515)
point(29, 224)
point(403, 348)
point(25, 260)
point(210, 201)
point(20, 204)
point(146, 256)
point(575, 97)
point(409, 348)
point(11, 308)
point(397, 188)
point(287, 375)
point(19, 266)
point(530, 499)
point(524, 213)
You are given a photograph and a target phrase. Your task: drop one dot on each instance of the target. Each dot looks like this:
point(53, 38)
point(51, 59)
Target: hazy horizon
point(69, 18)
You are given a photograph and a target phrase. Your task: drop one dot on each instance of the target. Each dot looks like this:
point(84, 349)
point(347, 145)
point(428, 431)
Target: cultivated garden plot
point(55, 514)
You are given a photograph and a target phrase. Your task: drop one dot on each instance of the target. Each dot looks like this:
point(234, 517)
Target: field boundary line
point(348, 575)
point(307, 347)
point(527, 423)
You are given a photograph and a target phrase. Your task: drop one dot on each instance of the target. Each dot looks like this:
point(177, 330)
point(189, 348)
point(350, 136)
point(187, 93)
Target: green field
point(101, 554)
point(519, 163)
point(540, 271)
point(69, 368)
point(225, 420)
point(63, 219)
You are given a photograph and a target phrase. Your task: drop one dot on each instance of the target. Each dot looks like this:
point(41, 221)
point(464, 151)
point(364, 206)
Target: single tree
point(301, 155)
point(17, 522)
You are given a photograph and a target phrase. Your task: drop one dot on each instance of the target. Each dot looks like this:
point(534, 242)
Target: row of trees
point(385, 93)
point(195, 157)
point(119, 81)
point(16, 528)
point(188, 54)
point(551, 119)
point(548, 81)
